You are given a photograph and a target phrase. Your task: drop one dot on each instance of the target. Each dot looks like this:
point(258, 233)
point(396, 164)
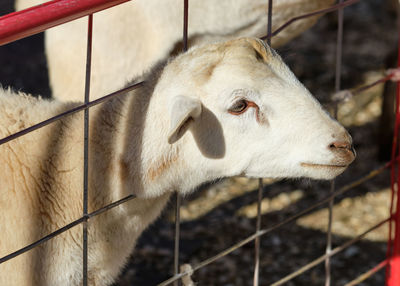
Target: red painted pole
point(393, 271)
point(21, 24)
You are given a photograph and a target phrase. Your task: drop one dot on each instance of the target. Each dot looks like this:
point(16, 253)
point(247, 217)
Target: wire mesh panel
point(13, 27)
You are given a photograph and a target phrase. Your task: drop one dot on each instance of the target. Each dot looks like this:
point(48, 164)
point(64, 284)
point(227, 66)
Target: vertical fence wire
point(177, 235)
point(329, 237)
point(339, 45)
point(185, 24)
point(260, 182)
point(338, 69)
point(257, 239)
point(178, 196)
point(269, 32)
point(86, 152)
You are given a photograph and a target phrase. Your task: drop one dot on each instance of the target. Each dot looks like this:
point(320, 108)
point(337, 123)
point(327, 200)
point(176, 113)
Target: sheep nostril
point(341, 145)
point(343, 151)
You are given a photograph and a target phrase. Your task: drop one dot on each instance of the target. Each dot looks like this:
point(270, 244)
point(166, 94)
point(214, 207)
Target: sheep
point(218, 110)
point(130, 38)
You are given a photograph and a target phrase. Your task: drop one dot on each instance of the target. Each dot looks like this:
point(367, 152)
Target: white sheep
point(132, 37)
point(219, 110)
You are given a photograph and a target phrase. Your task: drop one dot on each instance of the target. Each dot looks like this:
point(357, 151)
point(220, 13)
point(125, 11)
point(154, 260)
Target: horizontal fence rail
point(24, 23)
point(333, 8)
point(37, 19)
point(367, 274)
point(67, 227)
point(69, 112)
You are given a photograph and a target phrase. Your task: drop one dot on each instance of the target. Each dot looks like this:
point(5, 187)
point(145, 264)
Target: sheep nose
point(341, 145)
point(344, 150)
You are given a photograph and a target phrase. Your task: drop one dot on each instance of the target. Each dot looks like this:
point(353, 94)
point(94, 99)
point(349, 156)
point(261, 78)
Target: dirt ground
point(221, 214)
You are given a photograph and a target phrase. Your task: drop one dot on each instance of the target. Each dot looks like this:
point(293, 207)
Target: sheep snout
point(342, 149)
point(334, 159)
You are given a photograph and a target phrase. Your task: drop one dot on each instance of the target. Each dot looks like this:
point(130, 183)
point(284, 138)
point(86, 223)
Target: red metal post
point(393, 271)
point(21, 24)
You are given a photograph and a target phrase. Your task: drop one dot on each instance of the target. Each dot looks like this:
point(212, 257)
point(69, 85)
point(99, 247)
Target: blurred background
point(223, 213)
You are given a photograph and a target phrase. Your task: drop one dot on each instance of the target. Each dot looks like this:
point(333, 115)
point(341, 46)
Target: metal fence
point(24, 23)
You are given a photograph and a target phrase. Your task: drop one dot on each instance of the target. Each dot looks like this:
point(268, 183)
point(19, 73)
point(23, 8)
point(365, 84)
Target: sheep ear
point(260, 48)
point(183, 111)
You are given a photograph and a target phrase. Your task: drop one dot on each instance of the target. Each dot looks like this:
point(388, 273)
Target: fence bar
point(21, 24)
point(66, 227)
point(365, 87)
point(322, 11)
point(185, 24)
point(338, 71)
point(391, 275)
point(262, 232)
point(393, 269)
point(69, 112)
point(330, 254)
point(257, 239)
point(260, 182)
point(367, 274)
point(269, 31)
point(86, 153)
point(177, 234)
point(393, 186)
point(339, 49)
point(328, 248)
point(178, 196)
point(356, 91)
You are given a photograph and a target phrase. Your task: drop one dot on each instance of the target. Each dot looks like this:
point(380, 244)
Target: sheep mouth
point(320, 166)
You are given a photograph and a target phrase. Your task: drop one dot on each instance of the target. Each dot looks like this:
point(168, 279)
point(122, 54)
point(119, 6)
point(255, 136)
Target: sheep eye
point(239, 107)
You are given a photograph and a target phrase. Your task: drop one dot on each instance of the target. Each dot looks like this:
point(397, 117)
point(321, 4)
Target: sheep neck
point(148, 161)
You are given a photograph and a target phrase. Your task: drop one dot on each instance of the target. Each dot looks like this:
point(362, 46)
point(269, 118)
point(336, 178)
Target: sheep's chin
point(322, 171)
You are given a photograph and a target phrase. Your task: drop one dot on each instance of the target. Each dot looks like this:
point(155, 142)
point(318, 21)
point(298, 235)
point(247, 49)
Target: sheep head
point(236, 109)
